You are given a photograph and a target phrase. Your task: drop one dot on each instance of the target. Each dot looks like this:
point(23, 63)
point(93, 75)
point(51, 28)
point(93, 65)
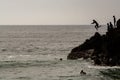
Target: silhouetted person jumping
point(96, 24)
point(114, 19)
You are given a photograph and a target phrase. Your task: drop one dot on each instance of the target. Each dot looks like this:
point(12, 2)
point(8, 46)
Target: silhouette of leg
point(96, 28)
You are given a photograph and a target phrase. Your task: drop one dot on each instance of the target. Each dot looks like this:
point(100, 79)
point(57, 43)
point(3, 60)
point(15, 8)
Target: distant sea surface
point(32, 52)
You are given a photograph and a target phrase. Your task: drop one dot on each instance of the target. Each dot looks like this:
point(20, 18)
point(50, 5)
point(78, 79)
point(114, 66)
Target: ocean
point(33, 52)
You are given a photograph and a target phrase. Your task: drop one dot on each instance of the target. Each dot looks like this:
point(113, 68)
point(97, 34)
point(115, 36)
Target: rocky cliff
point(102, 49)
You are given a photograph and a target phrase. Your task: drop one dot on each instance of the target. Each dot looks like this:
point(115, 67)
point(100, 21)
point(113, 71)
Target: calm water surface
point(33, 53)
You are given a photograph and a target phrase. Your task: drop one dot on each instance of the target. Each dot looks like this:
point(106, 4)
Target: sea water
point(33, 52)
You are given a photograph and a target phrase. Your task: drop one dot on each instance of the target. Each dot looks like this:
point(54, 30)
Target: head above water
point(82, 72)
point(61, 59)
point(93, 19)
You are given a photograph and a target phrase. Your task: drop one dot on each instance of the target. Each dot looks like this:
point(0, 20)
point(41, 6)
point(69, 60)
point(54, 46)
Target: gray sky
point(48, 12)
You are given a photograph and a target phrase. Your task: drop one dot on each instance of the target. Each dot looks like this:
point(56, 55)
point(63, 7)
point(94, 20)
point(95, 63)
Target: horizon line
point(45, 24)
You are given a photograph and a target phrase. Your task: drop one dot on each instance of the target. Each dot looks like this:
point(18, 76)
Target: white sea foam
point(104, 67)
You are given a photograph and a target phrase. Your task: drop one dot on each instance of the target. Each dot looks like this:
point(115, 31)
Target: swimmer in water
point(61, 59)
point(82, 72)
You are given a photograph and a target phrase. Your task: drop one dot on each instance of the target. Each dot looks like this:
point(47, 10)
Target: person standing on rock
point(111, 25)
point(108, 27)
point(96, 24)
point(114, 19)
point(118, 24)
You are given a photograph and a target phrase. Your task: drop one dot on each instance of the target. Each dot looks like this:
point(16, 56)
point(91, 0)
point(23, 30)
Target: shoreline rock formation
point(102, 49)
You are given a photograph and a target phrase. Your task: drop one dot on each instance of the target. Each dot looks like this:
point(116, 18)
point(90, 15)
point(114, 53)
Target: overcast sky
point(50, 12)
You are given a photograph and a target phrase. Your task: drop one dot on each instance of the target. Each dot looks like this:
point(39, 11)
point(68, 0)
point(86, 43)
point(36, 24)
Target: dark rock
point(83, 50)
point(102, 49)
